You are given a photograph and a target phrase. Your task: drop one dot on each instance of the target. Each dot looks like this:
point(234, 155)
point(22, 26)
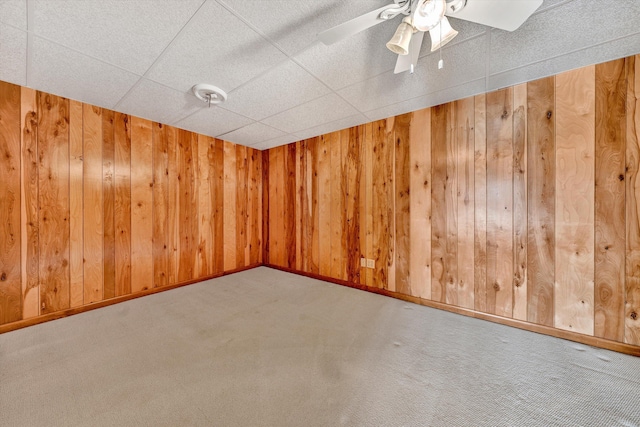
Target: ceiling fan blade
point(506, 15)
point(354, 26)
point(404, 61)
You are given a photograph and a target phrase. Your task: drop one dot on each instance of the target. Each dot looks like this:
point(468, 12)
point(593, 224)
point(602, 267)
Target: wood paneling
point(93, 204)
point(500, 202)
point(10, 160)
point(575, 185)
point(108, 195)
point(122, 213)
point(420, 203)
point(632, 183)
point(509, 204)
point(610, 106)
point(141, 205)
point(520, 232)
point(402, 207)
point(96, 206)
point(541, 166)
point(53, 202)
point(30, 247)
point(290, 205)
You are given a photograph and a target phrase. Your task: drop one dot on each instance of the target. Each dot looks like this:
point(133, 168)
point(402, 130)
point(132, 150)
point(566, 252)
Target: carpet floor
point(268, 348)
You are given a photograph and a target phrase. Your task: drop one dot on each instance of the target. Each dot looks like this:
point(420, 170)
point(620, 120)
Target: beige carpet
point(267, 348)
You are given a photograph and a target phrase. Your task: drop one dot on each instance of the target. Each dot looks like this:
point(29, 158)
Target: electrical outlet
point(371, 263)
point(363, 262)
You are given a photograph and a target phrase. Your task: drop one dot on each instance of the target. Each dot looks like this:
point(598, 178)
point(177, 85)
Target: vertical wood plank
point(10, 226)
point(610, 199)
point(366, 201)
point(299, 183)
point(289, 214)
point(336, 204)
point(204, 187)
point(439, 213)
point(402, 207)
point(93, 205)
point(520, 202)
point(465, 111)
point(230, 207)
point(76, 204)
point(541, 164)
point(187, 225)
point(575, 177)
point(265, 207)
point(53, 194)
point(160, 205)
point(389, 179)
point(241, 206)
point(380, 206)
point(500, 202)
point(313, 189)
point(122, 212)
point(218, 206)
point(108, 189)
point(277, 193)
point(324, 205)
point(303, 256)
point(173, 209)
point(255, 208)
point(352, 183)
point(141, 205)
point(480, 213)
point(29, 205)
point(632, 181)
point(420, 203)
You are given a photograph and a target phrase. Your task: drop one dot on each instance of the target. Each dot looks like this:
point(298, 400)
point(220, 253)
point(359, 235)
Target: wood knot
point(634, 315)
point(496, 287)
point(621, 177)
point(549, 114)
point(3, 277)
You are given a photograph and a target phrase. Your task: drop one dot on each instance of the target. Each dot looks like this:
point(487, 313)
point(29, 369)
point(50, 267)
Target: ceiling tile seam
point(175, 122)
point(252, 27)
point(29, 65)
point(166, 48)
point(291, 108)
point(241, 127)
point(553, 6)
point(566, 53)
point(483, 34)
point(366, 113)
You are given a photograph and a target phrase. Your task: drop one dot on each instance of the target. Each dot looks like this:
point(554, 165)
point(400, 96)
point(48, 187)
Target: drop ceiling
point(143, 56)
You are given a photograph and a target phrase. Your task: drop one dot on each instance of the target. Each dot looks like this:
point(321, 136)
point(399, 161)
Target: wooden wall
point(522, 203)
point(96, 205)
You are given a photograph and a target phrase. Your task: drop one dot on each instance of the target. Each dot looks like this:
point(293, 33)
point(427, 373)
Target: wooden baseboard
point(541, 329)
point(71, 311)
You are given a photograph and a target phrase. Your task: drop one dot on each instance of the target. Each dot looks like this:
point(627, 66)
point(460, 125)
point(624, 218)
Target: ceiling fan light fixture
point(428, 14)
point(399, 43)
point(441, 34)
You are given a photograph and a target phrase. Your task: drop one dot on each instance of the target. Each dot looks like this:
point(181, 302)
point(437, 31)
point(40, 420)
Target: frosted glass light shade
point(441, 34)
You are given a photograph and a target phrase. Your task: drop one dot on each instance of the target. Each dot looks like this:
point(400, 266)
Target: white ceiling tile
point(62, 71)
point(252, 133)
point(128, 34)
point(569, 27)
point(294, 24)
point(283, 87)
point(276, 142)
point(340, 124)
point(436, 98)
point(596, 54)
point(14, 12)
point(323, 110)
point(159, 103)
point(463, 62)
point(213, 121)
point(13, 55)
point(215, 48)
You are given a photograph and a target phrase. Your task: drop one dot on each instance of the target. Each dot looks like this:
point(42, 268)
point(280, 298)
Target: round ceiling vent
point(209, 93)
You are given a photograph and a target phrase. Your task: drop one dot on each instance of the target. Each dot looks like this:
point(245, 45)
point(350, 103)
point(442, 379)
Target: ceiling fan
point(431, 15)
